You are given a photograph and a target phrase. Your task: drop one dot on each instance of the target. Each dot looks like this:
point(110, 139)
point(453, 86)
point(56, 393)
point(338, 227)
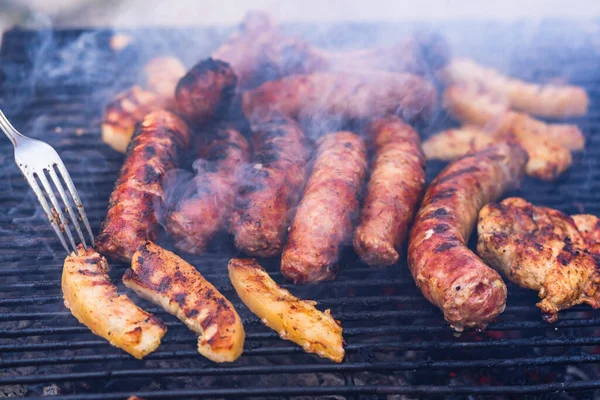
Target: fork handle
point(11, 133)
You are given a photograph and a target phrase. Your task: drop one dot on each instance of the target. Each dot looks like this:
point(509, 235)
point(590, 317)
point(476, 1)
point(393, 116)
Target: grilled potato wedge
point(92, 298)
point(163, 278)
point(294, 319)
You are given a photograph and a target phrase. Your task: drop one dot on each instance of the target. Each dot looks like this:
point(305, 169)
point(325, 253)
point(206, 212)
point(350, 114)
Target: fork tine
point(61, 216)
point(40, 196)
point(73, 192)
point(67, 202)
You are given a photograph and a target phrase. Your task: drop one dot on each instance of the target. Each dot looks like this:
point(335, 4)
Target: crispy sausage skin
point(205, 91)
point(207, 200)
point(156, 147)
point(270, 187)
point(325, 216)
point(343, 94)
point(450, 276)
point(395, 187)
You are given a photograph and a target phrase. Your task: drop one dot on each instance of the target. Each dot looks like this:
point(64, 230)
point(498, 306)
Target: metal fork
point(35, 159)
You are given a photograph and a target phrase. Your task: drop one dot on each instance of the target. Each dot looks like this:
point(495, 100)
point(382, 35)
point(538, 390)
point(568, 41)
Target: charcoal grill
point(53, 85)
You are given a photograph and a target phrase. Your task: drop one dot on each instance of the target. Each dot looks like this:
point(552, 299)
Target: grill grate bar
point(302, 368)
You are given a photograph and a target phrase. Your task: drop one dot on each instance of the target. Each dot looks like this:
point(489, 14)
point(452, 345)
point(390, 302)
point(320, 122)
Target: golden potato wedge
point(293, 319)
point(92, 298)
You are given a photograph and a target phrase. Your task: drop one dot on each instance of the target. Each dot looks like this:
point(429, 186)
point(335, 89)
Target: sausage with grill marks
point(203, 209)
point(325, 216)
point(450, 276)
point(343, 94)
point(395, 187)
point(206, 91)
point(270, 187)
point(157, 146)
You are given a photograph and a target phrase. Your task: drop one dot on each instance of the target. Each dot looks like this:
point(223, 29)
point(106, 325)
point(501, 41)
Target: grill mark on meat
point(443, 194)
point(439, 228)
point(456, 174)
point(180, 298)
point(445, 246)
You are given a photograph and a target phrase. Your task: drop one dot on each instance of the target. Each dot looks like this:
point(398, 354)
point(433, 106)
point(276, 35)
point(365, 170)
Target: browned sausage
point(205, 91)
point(270, 187)
point(199, 209)
point(395, 187)
point(343, 94)
point(157, 146)
point(326, 213)
point(469, 292)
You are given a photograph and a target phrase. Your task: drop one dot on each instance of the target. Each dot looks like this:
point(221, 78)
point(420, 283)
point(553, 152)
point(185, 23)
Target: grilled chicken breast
point(470, 293)
point(129, 108)
point(92, 298)
point(541, 249)
point(293, 319)
point(543, 100)
point(452, 144)
point(547, 145)
point(589, 227)
point(163, 278)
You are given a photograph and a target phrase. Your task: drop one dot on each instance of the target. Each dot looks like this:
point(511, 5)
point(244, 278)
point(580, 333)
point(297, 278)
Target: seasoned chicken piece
point(124, 112)
point(93, 300)
point(293, 319)
point(452, 144)
point(589, 227)
point(129, 108)
point(473, 104)
point(541, 249)
point(163, 278)
point(163, 74)
point(548, 157)
point(543, 100)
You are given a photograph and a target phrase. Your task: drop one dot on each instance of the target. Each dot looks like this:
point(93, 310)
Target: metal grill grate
point(397, 342)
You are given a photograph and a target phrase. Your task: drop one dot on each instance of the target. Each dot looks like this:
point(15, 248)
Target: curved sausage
point(193, 218)
point(343, 94)
point(270, 187)
point(326, 213)
point(158, 144)
point(205, 91)
point(395, 187)
point(450, 276)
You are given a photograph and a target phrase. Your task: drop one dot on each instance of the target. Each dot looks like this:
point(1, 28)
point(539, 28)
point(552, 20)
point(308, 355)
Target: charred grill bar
point(397, 342)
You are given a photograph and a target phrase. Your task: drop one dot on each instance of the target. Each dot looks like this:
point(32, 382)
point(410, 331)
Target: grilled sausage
point(544, 100)
point(450, 276)
point(395, 187)
point(451, 144)
point(163, 278)
point(92, 298)
point(325, 216)
point(343, 94)
point(194, 217)
point(205, 91)
point(156, 147)
point(270, 187)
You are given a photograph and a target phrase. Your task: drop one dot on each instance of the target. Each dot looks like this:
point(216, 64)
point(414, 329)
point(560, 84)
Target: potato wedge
point(163, 278)
point(293, 319)
point(92, 298)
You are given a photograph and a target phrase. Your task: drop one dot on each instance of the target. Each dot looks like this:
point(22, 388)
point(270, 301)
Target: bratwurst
point(199, 209)
point(329, 205)
point(270, 187)
point(395, 187)
point(343, 94)
point(157, 146)
point(450, 276)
